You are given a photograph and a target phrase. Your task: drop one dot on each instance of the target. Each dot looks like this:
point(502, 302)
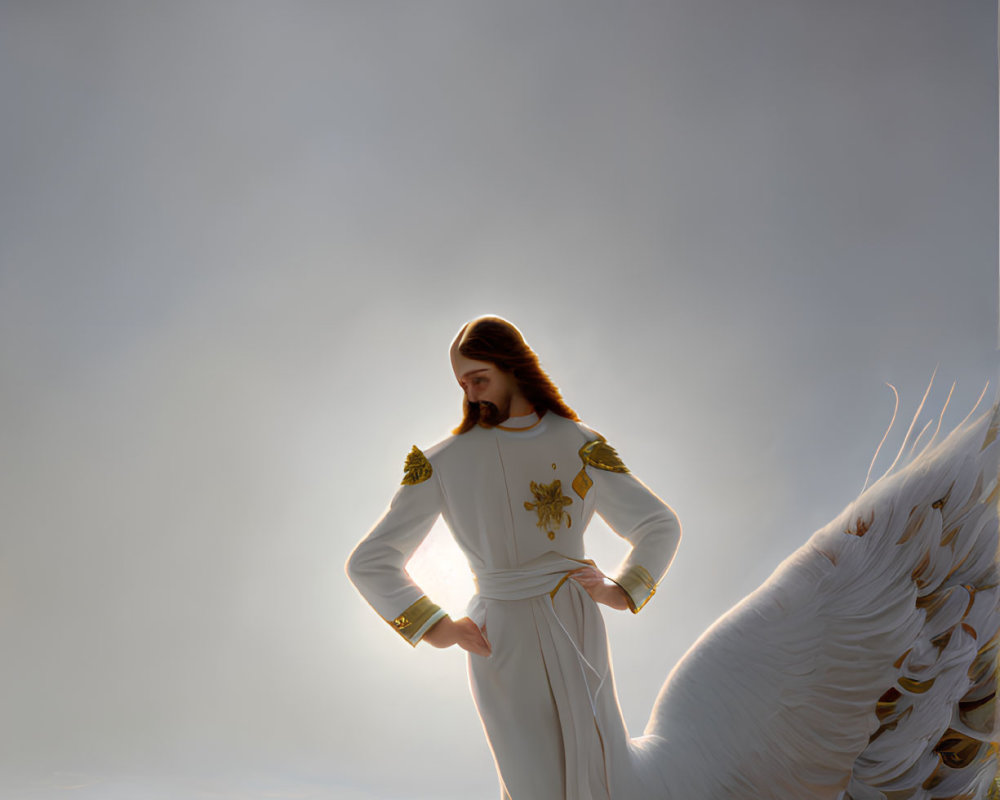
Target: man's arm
point(636, 514)
point(650, 525)
point(377, 565)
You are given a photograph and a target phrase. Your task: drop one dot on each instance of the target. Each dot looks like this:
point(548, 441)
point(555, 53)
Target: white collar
point(519, 423)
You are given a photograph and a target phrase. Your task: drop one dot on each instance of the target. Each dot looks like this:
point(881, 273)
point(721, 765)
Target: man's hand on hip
point(465, 633)
point(600, 587)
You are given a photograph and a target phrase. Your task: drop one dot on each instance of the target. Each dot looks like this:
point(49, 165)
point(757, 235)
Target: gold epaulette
point(597, 453)
point(639, 586)
point(417, 619)
point(602, 455)
point(417, 468)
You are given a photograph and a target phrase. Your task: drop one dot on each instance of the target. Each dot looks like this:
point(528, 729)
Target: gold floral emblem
point(550, 503)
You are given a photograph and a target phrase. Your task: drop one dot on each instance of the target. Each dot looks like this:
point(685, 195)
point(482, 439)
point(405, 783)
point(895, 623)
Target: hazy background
point(236, 239)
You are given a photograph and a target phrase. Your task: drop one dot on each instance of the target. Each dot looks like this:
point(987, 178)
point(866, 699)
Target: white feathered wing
point(865, 666)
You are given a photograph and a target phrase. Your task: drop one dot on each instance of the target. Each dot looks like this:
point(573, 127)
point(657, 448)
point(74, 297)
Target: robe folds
point(518, 498)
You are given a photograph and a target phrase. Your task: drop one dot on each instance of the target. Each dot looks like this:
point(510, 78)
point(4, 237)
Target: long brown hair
point(497, 341)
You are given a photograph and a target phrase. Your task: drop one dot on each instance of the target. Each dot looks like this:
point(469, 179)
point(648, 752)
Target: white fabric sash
point(534, 579)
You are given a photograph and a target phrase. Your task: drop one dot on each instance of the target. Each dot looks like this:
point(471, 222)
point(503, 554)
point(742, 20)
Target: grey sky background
point(236, 240)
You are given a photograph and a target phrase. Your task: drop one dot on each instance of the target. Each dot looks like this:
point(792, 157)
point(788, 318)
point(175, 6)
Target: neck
point(520, 407)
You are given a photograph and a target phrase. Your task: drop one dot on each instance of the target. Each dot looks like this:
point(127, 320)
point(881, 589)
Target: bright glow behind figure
point(439, 566)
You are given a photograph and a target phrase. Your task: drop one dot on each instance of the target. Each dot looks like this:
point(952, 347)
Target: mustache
point(489, 413)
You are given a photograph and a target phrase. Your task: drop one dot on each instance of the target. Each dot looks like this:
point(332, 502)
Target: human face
point(488, 386)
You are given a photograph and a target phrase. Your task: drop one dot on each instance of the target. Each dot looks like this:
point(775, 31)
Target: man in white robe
point(517, 485)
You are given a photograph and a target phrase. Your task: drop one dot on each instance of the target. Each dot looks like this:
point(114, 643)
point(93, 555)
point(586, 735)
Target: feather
point(865, 667)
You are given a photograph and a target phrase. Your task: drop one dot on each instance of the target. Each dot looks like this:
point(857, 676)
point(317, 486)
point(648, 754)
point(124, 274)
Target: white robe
point(545, 695)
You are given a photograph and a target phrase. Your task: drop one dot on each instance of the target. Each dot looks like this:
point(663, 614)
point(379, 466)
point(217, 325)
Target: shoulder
point(419, 463)
point(595, 451)
point(448, 454)
point(587, 434)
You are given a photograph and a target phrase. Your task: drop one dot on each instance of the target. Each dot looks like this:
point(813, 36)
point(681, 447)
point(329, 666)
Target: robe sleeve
point(377, 565)
point(636, 514)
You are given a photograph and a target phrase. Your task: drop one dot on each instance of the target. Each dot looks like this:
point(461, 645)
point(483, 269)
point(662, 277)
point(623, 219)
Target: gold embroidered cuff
point(639, 586)
point(413, 623)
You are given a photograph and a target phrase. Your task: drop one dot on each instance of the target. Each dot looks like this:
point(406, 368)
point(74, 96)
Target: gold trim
point(558, 586)
point(585, 561)
point(602, 455)
point(412, 623)
point(515, 430)
point(639, 586)
point(417, 468)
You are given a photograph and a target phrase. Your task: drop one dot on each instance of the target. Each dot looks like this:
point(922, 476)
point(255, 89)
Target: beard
point(490, 414)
